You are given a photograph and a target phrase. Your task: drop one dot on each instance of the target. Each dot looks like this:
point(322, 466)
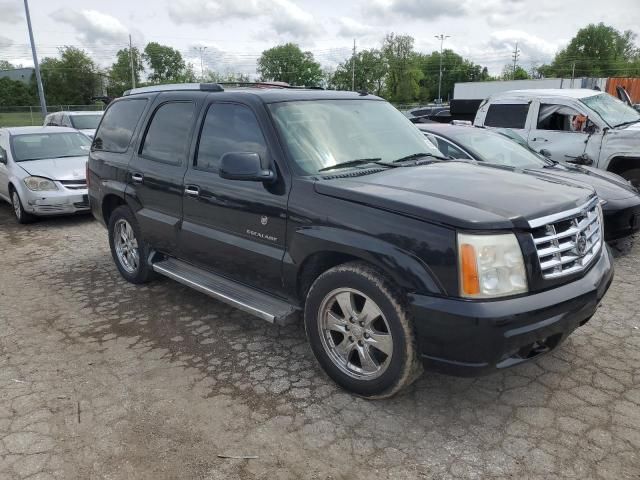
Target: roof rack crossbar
point(205, 87)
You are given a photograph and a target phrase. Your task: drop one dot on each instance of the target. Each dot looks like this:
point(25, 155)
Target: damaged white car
point(582, 126)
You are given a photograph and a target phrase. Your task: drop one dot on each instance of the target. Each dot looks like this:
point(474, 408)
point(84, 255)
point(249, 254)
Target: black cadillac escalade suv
point(283, 201)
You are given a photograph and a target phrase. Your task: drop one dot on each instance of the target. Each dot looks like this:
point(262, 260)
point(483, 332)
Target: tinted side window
point(507, 115)
point(560, 118)
point(168, 132)
point(228, 128)
point(451, 150)
point(117, 127)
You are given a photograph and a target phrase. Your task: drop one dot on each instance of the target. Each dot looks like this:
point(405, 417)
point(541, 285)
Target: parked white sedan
point(43, 171)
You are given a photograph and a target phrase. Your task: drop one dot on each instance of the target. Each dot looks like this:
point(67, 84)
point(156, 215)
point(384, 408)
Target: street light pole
point(36, 66)
point(441, 37)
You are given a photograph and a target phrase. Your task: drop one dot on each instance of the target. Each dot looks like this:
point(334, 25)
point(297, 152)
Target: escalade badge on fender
point(264, 220)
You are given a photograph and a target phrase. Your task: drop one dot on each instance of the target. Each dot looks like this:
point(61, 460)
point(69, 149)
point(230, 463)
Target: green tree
point(165, 63)
point(215, 77)
point(120, 71)
point(519, 74)
point(454, 69)
point(370, 72)
point(6, 65)
point(404, 74)
point(287, 63)
point(596, 51)
point(71, 79)
point(15, 93)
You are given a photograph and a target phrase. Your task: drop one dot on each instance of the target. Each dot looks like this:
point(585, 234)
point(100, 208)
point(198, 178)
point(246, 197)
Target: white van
point(584, 126)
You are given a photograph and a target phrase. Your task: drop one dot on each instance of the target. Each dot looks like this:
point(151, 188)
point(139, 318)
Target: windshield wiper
point(627, 123)
point(352, 163)
point(414, 156)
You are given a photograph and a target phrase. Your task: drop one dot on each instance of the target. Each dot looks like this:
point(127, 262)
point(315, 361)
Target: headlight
point(39, 184)
point(491, 266)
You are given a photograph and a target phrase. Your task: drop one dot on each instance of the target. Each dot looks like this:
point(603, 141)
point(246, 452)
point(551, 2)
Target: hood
point(608, 186)
point(460, 194)
point(632, 128)
point(70, 168)
point(89, 132)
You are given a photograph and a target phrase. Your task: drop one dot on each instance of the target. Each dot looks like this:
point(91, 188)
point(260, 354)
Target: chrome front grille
point(74, 184)
point(568, 242)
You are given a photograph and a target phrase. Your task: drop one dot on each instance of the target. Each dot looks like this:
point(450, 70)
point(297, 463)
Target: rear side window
point(228, 128)
point(117, 127)
point(506, 115)
point(168, 132)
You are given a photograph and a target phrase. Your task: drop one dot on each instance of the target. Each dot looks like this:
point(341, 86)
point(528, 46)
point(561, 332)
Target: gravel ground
point(103, 379)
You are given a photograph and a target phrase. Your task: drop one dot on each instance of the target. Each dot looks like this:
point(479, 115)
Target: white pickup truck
point(582, 126)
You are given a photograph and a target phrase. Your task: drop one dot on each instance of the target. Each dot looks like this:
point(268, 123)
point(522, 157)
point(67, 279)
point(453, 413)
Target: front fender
point(403, 267)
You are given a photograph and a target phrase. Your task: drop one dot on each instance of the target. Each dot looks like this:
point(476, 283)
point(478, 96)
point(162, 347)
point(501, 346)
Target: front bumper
point(469, 338)
point(58, 202)
point(621, 218)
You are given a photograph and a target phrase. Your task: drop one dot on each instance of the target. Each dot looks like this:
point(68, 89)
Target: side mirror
point(245, 166)
point(545, 152)
point(3, 157)
point(581, 160)
point(590, 127)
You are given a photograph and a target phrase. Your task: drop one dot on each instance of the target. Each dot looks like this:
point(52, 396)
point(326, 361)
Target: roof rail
point(267, 85)
point(205, 87)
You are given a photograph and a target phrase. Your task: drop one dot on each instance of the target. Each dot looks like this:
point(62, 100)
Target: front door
point(4, 173)
point(157, 169)
point(561, 130)
point(235, 228)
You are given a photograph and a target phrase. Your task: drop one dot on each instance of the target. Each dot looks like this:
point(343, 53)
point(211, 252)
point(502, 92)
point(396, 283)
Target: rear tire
point(19, 212)
point(361, 332)
point(633, 176)
point(130, 253)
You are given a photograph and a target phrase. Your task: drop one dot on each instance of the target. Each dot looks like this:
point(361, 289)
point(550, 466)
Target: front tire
point(21, 215)
point(361, 332)
point(130, 253)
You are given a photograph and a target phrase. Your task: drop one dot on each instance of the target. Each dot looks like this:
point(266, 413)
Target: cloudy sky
point(234, 32)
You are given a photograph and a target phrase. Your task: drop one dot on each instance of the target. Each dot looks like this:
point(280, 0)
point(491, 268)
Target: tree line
point(395, 71)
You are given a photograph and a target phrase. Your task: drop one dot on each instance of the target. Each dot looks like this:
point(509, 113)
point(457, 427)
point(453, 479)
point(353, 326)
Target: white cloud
point(5, 42)
point(11, 12)
point(283, 16)
point(415, 9)
point(93, 27)
point(348, 27)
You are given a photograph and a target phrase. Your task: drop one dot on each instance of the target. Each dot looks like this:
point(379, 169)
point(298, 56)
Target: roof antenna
point(363, 93)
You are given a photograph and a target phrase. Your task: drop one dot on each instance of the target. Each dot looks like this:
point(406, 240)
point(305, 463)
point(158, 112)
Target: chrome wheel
point(126, 246)
point(16, 205)
point(355, 334)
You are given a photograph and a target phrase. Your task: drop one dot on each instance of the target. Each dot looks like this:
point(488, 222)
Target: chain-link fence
point(23, 116)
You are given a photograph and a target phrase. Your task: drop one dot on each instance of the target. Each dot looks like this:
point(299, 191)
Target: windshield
point(612, 110)
point(37, 146)
point(323, 133)
point(85, 122)
point(499, 150)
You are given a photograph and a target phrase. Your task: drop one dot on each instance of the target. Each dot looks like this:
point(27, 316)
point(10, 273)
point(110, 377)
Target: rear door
point(156, 171)
point(236, 228)
point(510, 113)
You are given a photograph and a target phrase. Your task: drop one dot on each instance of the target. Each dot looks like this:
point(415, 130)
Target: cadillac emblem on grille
point(581, 244)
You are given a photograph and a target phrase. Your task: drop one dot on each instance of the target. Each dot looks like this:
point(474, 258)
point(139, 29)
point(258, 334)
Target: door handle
point(137, 177)
point(540, 139)
point(192, 190)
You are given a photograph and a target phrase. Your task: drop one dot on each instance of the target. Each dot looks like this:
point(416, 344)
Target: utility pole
point(442, 38)
point(36, 66)
point(573, 73)
point(353, 67)
point(133, 64)
point(516, 55)
point(201, 50)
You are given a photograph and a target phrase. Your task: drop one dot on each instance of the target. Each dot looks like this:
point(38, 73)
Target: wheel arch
point(110, 202)
point(622, 163)
point(325, 248)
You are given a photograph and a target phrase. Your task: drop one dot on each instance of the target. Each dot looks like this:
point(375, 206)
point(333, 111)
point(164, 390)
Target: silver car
point(43, 171)
point(86, 122)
